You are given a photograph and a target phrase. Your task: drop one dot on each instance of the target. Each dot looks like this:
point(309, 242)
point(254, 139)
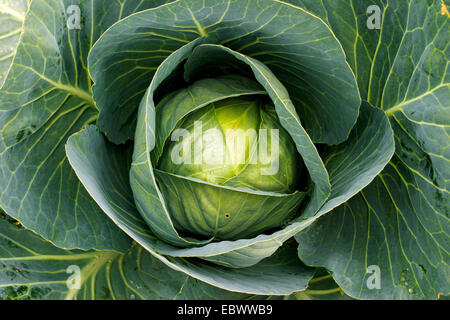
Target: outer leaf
point(348, 21)
point(227, 217)
point(400, 222)
point(171, 110)
point(31, 268)
point(45, 98)
point(298, 47)
point(12, 15)
point(321, 287)
point(100, 166)
point(375, 222)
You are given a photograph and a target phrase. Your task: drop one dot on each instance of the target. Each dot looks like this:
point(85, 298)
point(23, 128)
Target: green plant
point(95, 90)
